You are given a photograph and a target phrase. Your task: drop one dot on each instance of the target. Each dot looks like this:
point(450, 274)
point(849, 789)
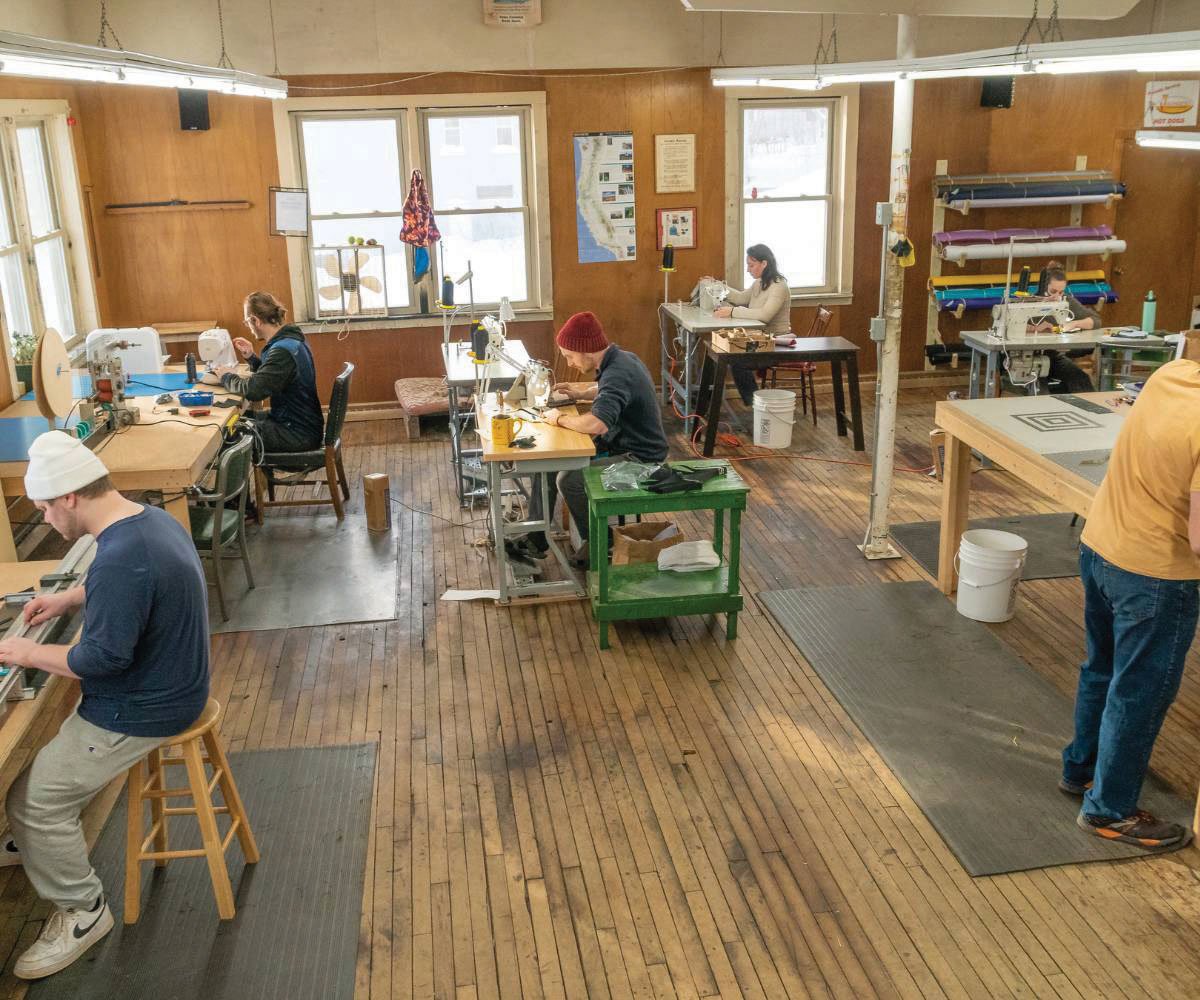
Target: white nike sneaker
point(66, 936)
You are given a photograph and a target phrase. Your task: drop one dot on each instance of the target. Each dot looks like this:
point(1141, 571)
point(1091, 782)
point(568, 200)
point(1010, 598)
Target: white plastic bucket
point(774, 415)
point(989, 564)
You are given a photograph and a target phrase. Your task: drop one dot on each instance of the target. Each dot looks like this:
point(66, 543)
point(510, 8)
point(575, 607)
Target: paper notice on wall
point(512, 13)
point(1171, 103)
point(674, 163)
point(604, 202)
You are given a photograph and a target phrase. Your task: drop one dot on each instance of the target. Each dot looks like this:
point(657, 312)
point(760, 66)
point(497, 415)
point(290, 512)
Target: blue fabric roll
point(1041, 189)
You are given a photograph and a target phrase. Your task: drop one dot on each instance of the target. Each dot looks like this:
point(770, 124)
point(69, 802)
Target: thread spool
point(1043, 281)
point(1023, 283)
point(668, 261)
point(447, 292)
point(479, 341)
point(190, 361)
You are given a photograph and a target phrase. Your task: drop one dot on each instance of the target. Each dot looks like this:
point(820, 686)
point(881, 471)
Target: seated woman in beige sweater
point(767, 300)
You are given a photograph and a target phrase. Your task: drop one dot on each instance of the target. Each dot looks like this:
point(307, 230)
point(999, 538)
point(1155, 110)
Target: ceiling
point(1091, 9)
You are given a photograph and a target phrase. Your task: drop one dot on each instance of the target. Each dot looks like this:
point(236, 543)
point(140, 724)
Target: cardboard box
point(1191, 345)
point(739, 341)
point(641, 542)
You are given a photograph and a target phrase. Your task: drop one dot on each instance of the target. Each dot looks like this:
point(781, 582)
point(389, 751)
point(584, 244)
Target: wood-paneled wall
point(175, 266)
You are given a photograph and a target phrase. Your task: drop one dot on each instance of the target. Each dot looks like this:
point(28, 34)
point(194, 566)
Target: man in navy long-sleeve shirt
point(142, 666)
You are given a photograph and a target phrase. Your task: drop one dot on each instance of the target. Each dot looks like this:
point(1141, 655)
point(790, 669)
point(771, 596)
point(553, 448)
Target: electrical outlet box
point(883, 213)
point(878, 328)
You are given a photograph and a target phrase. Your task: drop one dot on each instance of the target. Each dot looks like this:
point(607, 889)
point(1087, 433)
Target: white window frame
point(413, 107)
point(397, 117)
point(843, 154)
point(526, 209)
point(70, 207)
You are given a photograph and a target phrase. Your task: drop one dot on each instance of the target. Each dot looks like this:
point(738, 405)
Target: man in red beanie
point(625, 419)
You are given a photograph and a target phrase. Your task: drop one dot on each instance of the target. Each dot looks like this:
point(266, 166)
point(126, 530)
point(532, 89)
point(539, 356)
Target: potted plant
point(24, 346)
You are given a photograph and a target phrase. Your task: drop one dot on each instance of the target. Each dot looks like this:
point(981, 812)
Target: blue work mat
point(17, 434)
point(139, 385)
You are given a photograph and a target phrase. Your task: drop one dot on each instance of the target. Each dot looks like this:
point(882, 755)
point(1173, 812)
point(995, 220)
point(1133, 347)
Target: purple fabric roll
point(995, 236)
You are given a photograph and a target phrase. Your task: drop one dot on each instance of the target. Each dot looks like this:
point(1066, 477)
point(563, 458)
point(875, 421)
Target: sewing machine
point(1011, 320)
point(216, 349)
point(532, 387)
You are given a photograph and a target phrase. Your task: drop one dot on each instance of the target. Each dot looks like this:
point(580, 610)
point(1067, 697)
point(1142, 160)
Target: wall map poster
point(604, 204)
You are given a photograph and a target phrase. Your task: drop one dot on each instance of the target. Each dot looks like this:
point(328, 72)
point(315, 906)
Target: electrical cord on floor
point(429, 513)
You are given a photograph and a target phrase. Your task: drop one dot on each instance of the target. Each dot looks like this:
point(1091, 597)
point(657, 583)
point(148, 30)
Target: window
point(352, 169)
point(356, 164)
point(479, 201)
point(36, 281)
point(790, 185)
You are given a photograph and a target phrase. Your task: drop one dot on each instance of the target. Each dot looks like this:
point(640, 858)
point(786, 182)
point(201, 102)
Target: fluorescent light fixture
point(47, 58)
point(736, 81)
point(1163, 53)
point(1168, 140)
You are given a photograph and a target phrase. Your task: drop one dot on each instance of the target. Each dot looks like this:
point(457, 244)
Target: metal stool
point(200, 788)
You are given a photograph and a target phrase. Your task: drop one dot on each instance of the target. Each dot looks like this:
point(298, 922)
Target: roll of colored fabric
point(1049, 248)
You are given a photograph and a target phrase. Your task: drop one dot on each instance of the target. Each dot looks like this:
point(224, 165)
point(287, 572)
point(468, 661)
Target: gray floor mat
point(295, 935)
point(309, 569)
point(1053, 543)
point(972, 733)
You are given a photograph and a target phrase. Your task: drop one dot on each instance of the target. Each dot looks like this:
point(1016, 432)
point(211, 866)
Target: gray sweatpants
point(47, 798)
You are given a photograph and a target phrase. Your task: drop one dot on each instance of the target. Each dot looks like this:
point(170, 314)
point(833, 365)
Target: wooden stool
point(199, 790)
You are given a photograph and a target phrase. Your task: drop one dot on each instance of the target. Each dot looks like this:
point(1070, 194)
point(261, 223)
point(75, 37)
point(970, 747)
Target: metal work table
point(691, 324)
point(986, 351)
point(1119, 359)
point(555, 450)
point(461, 374)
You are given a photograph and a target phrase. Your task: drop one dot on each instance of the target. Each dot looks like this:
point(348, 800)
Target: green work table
point(642, 590)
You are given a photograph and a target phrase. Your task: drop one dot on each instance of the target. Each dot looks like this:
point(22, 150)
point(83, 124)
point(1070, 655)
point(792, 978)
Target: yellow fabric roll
point(982, 280)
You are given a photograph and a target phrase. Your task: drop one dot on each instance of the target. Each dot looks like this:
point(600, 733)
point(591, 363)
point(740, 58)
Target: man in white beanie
point(142, 665)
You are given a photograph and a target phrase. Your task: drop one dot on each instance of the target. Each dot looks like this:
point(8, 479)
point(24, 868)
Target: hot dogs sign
point(1171, 103)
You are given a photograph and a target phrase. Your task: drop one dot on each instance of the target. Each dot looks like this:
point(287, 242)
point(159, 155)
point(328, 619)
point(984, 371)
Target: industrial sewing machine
point(533, 384)
point(106, 408)
point(216, 349)
point(1011, 321)
point(1015, 323)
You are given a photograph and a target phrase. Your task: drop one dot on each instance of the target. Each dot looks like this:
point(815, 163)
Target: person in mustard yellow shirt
point(1140, 564)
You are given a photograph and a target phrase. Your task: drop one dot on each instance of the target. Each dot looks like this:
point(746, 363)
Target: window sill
point(823, 299)
point(410, 322)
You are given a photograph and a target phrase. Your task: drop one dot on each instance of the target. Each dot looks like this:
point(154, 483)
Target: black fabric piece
point(295, 935)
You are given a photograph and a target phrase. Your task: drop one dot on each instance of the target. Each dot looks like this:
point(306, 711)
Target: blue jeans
point(1139, 629)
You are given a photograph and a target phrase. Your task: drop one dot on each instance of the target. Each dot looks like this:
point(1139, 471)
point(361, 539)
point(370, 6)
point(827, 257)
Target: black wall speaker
point(193, 110)
point(997, 92)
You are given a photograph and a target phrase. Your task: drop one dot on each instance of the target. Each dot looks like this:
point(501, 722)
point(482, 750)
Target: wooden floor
point(681, 815)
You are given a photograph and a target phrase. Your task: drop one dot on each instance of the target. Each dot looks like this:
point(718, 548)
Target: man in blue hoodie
point(284, 373)
point(142, 666)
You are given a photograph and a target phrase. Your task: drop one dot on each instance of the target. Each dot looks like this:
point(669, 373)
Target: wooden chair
point(199, 745)
point(805, 370)
point(215, 524)
point(328, 457)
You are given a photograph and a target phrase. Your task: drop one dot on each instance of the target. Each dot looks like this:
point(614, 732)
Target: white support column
point(876, 545)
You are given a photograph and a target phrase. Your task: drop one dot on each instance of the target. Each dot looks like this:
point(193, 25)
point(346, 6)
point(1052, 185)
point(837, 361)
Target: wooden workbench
point(163, 452)
point(1056, 447)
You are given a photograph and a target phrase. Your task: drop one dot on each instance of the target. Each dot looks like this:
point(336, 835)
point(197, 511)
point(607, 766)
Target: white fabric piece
point(60, 464)
point(1046, 248)
point(689, 557)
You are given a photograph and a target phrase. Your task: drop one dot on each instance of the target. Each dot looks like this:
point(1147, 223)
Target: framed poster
point(288, 211)
point(1171, 103)
point(674, 163)
point(677, 226)
point(512, 13)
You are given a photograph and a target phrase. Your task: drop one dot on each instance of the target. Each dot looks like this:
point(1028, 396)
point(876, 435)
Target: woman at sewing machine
point(285, 373)
point(1065, 375)
point(767, 300)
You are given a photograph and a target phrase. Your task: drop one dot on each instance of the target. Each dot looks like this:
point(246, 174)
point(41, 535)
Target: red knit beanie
point(583, 334)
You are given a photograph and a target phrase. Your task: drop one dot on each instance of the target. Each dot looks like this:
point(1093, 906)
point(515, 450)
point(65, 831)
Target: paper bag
point(641, 543)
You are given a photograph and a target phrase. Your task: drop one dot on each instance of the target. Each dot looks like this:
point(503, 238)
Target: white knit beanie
point(60, 463)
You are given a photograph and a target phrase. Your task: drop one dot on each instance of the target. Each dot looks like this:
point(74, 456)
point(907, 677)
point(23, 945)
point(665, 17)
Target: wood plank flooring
point(679, 816)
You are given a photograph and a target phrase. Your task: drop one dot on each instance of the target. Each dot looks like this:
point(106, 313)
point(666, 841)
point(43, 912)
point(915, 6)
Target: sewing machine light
point(506, 310)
